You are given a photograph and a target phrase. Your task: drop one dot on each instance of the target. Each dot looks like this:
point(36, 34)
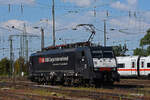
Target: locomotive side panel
point(84, 63)
point(54, 62)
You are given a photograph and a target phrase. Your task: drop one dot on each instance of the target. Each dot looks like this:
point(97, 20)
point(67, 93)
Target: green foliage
point(120, 50)
point(20, 66)
point(4, 66)
point(146, 39)
point(140, 51)
point(148, 50)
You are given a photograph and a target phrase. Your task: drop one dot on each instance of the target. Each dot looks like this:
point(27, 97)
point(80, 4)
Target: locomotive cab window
point(133, 64)
point(148, 65)
point(97, 54)
point(121, 65)
point(107, 54)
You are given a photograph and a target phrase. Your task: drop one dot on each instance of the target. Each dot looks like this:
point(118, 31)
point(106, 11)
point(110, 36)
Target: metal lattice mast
point(53, 16)
point(42, 38)
point(104, 32)
point(11, 55)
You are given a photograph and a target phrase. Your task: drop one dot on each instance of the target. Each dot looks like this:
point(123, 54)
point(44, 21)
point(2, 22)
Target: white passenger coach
point(133, 66)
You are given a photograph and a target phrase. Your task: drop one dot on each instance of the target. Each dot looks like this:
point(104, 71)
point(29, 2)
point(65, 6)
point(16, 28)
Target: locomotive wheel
point(39, 80)
point(75, 82)
point(86, 83)
point(53, 82)
point(149, 76)
point(42, 80)
point(97, 83)
point(67, 81)
point(108, 83)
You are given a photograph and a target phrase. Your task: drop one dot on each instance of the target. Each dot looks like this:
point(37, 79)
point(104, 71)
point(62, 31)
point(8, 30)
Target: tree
point(120, 50)
point(146, 39)
point(4, 66)
point(20, 66)
point(148, 50)
point(140, 52)
point(144, 42)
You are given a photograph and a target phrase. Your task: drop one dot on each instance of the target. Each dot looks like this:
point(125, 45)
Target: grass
point(44, 93)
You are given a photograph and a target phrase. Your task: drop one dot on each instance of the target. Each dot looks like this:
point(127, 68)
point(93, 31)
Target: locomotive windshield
point(108, 54)
point(100, 54)
point(97, 54)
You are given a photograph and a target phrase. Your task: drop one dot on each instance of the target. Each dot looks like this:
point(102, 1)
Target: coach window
point(148, 65)
point(133, 64)
point(142, 64)
point(121, 65)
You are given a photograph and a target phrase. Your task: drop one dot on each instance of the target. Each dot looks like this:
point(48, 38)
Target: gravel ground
point(22, 89)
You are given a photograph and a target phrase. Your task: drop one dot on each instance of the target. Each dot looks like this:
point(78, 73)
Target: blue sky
point(70, 13)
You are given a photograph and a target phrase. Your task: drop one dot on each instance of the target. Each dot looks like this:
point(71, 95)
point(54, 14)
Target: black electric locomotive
point(74, 64)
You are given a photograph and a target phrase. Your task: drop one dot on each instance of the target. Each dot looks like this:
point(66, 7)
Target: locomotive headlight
point(82, 59)
point(76, 74)
point(64, 74)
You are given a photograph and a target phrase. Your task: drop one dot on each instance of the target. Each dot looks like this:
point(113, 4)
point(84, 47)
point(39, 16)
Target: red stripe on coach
point(133, 69)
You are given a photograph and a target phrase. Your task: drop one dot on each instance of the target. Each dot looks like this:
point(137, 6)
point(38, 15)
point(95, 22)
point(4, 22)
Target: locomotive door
point(81, 64)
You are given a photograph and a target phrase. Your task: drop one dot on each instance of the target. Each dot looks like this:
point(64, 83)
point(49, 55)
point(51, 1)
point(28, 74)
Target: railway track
point(11, 95)
point(120, 91)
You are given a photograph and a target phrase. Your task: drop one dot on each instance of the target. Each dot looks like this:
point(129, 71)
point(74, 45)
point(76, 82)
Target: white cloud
point(146, 15)
point(87, 3)
point(120, 6)
point(28, 2)
point(133, 26)
point(81, 3)
point(132, 2)
point(129, 5)
point(19, 25)
point(16, 23)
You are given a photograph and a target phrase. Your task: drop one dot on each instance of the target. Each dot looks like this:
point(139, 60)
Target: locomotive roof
point(58, 51)
point(76, 49)
point(72, 45)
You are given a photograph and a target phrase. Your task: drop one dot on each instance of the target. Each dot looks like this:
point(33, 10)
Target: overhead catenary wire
point(9, 8)
point(72, 10)
point(22, 7)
